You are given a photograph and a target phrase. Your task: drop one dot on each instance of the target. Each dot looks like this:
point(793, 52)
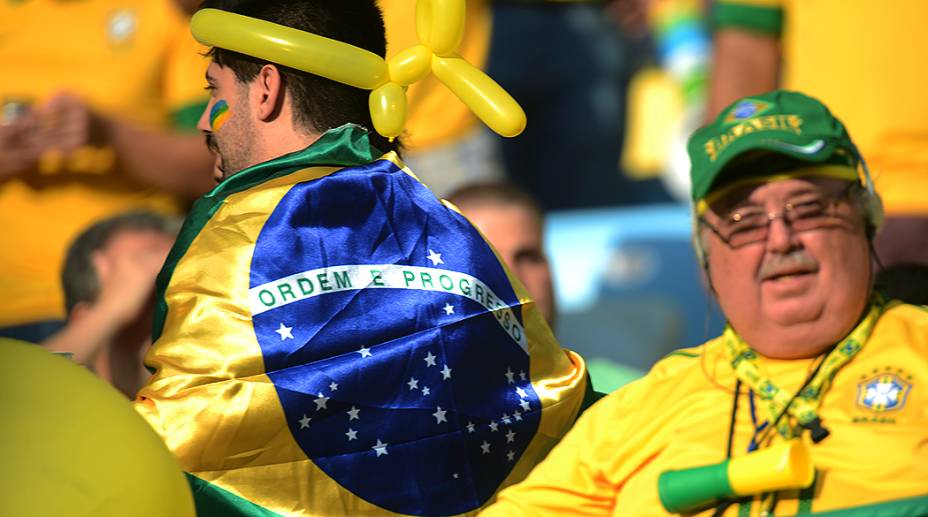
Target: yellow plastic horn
point(784, 466)
point(440, 24)
point(487, 99)
point(780, 467)
point(291, 47)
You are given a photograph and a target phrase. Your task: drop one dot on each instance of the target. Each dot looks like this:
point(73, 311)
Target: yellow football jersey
point(133, 59)
point(678, 417)
point(863, 60)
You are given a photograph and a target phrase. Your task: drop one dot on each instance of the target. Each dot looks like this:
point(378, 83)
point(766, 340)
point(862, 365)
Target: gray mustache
point(777, 264)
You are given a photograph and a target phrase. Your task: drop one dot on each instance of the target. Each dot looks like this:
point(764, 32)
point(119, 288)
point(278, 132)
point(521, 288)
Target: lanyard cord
point(763, 428)
point(769, 429)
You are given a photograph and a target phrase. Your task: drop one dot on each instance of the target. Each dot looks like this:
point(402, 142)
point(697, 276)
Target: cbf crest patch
point(886, 391)
point(746, 109)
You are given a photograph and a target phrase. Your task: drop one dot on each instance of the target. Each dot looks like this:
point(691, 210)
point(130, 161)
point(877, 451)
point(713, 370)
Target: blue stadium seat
point(628, 286)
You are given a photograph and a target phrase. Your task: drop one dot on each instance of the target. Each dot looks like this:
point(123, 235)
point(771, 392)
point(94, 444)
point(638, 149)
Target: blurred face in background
point(794, 276)
point(516, 233)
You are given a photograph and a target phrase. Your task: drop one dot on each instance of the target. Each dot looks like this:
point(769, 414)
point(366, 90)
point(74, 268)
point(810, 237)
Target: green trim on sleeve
point(185, 119)
point(753, 18)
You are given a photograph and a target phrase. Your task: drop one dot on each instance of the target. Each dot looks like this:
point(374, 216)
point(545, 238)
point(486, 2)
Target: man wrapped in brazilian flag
point(331, 339)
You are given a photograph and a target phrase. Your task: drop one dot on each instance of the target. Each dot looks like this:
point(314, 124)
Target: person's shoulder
point(906, 321)
point(683, 361)
point(680, 367)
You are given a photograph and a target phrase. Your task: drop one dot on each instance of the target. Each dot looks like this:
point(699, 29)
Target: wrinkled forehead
point(764, 191)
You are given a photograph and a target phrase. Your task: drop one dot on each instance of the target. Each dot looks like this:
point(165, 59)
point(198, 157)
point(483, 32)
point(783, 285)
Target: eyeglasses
point(751, 224)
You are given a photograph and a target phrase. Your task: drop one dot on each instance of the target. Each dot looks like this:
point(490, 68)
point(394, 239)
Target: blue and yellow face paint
point(218, 115)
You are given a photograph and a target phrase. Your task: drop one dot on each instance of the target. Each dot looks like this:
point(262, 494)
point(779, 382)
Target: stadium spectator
point(99, 103)
point(784, 227)
point(109, 280)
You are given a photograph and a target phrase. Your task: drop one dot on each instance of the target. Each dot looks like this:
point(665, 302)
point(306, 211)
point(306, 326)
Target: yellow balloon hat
point(439, 26)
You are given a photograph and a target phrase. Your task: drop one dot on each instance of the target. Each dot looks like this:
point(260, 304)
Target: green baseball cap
point(783, 122)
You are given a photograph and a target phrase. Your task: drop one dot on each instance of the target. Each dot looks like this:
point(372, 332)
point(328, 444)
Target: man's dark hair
point(496, 193)
point(79, 276)
point(319, 104)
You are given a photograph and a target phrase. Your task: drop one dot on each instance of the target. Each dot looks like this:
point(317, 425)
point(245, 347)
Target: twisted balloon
point(439, 26)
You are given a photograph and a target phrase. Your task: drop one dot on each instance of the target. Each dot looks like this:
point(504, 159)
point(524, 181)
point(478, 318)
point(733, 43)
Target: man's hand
point(127, 282)
point(19, 146)
point(127, 279)
point(66, 124)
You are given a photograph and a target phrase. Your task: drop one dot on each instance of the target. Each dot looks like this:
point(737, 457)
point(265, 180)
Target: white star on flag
point(365, 352)
point(439, 415)
point(510, 376)
point(285, 332)
point(494, 426)
point(525, 405)
point(353, 413)
point(446, 372)
point(522, 375)
point(485, 447)
point(413, 383)
point(429, 359)
point(517, 416)
point(333, 386)
point(435, 258)
point(510, 436)
point(380, 448)
point(505, 419)
point(521, 393)
point(470, 427)
point(449, 309)
point(304, 422)
point(510, 455)
point(351, 434)
point(321, 402)
point(426, 390)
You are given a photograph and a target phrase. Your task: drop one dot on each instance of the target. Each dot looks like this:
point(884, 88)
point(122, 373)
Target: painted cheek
point(218, 115)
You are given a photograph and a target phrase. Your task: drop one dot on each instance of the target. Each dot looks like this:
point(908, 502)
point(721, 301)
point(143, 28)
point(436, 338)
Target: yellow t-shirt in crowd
point(133, 59)
point(436, 116)
point(865, 61)
point(678, 417)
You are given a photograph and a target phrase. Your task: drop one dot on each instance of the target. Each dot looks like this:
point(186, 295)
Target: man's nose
point(203, 122)
point(780, 235)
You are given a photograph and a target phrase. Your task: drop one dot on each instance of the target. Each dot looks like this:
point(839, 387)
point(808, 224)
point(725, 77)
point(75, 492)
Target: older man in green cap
point(813, 360)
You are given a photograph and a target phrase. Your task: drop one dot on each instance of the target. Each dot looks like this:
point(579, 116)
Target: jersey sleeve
point(758, 16)
point(577, 478)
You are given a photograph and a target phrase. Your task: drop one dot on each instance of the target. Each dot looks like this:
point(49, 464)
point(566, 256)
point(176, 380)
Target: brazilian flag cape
point(332, 339)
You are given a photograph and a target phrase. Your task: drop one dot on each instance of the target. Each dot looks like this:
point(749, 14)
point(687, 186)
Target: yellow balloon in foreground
point(291, 47)
point(487, 99)
point(72, 445)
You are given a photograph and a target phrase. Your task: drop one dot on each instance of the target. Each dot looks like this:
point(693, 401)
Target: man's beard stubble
point(234, 155)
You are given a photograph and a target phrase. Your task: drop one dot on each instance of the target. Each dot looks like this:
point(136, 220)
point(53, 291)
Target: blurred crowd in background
point(100, 159)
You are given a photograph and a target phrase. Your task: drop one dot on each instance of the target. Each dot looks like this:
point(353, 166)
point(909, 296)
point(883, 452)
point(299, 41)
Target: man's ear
point(268, 93)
